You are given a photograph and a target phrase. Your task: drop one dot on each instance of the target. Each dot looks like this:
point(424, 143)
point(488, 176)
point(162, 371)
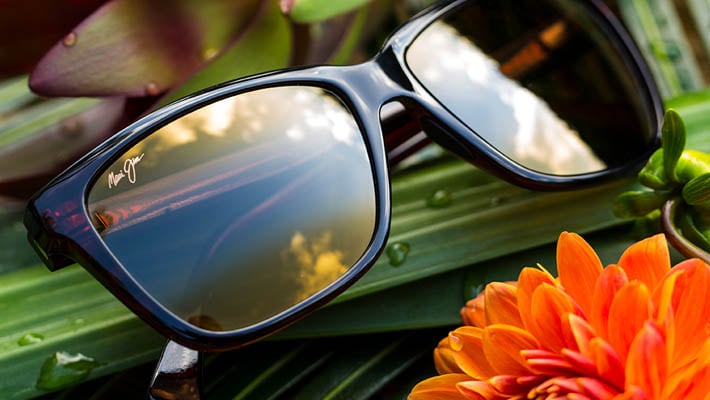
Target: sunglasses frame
point(61, 232)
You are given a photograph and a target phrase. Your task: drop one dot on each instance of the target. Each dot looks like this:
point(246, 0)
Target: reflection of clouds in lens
point(297, 112)
point(318, 263)
point(509, 117)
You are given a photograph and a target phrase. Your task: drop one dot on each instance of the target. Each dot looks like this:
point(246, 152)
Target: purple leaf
point(137, 48)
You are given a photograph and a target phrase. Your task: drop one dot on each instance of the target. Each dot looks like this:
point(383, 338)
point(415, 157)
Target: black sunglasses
point(227, 215)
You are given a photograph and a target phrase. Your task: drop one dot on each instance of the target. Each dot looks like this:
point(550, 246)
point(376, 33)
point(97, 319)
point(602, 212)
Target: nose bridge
point(378, 81)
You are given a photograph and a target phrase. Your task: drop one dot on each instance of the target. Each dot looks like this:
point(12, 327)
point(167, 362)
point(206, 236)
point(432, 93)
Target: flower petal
point(611, 280)
point(528, 280)
point(502, 345)
point(647, 365)
point(478, 390)
point(550, 307)
point(690, 304)
point(693, 380)
point(608, 363)
point(442, 387)
point(467, 344)
point(501, 304)
point(582, 332)
point(648, 260)
point(474, 312)
point(578, 266)
point(444, 360)
point(630, 309)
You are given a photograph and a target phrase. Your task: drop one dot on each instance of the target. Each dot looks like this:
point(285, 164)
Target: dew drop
point(64, 369)
point(152, 89)
point(397, 253)
point(439, 199)
point(30, 338)
point(69, 40)
point(209, 53)
point(455, 342)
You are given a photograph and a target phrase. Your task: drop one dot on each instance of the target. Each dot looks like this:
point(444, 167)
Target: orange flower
point(635, 330)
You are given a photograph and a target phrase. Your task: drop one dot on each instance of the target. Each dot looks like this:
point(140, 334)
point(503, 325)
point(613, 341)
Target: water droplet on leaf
point(209, 53)
point(397, 253)
point(69, 40)
point(152, 89)
point(64, 369)
point(439, 199)
point(30, 338)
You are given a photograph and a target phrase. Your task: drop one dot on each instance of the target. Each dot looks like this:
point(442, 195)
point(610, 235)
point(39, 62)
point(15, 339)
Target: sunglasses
point(230, 214)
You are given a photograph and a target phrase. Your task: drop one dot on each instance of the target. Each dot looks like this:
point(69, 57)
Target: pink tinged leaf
point(139, 48)
point(29, 163)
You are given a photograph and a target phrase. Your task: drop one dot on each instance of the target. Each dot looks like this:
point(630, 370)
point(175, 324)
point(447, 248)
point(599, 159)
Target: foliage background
point(374, 341)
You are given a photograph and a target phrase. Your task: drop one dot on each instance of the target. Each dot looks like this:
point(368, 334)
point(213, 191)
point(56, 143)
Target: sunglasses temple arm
point(402, 132)
point(178, 375)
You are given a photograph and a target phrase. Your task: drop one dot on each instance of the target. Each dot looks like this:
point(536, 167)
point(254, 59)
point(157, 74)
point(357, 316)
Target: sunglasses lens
point(239, 210)
point(540, 81)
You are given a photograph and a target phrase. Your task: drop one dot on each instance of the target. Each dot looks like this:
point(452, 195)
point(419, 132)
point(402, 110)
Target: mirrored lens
point(539, 81)
point(243, 208)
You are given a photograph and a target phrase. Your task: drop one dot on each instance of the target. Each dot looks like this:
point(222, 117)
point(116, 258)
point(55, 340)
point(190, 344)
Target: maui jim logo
point(128, 172)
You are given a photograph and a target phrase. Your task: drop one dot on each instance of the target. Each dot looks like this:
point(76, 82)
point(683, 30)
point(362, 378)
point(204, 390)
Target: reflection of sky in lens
point(242, 208)
point(508, 116)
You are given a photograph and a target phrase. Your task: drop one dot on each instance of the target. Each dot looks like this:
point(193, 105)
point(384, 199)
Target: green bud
point(673, 142)
point(652, 175)
point(697, 191)
point(637, 204)
point(692, 164)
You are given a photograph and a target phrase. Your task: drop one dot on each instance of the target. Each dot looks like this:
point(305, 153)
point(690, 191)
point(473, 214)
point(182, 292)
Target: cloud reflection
point(508, 116)
point(319, 264)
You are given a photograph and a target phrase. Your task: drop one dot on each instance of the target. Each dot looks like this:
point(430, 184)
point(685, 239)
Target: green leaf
point(269, 36)
point(673, 140)
point(138, 48)
point(305, 11)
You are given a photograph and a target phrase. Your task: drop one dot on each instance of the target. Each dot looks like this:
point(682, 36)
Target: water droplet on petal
point(439, 199)
point(69, 40)
point(30, 338)
point(64, 369)
point(397, 253)
point(152, 89)
point(455, 342)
